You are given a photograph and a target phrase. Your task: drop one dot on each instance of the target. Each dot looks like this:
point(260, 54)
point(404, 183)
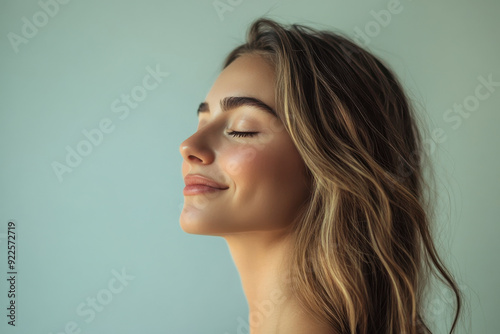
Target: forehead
point(247, 75)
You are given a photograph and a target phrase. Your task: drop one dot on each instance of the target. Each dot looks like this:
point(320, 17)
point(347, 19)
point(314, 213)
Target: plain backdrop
point(99, 248)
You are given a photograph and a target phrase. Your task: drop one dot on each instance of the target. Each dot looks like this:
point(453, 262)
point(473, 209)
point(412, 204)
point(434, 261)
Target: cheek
point(241, 162)
point(268, 183)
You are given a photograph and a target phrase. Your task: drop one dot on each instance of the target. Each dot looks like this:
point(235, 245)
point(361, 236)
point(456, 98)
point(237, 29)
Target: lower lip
point(196, 189)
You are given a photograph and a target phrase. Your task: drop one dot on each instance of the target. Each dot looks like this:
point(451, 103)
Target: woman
point(307, 159)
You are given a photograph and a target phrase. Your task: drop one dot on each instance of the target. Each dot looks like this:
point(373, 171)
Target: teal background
point(119, 208)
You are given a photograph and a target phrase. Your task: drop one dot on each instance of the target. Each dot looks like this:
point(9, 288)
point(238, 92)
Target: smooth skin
point(267, 186)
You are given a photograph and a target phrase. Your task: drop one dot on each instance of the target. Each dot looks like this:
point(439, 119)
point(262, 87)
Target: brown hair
point(363, 245)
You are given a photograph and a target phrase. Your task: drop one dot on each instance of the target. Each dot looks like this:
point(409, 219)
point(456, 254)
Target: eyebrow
point(233, 102)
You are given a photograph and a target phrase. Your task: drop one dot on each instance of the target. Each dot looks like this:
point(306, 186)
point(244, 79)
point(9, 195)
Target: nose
point(197, 149)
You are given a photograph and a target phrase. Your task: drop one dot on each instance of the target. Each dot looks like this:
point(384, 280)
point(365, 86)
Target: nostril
point(192, 157)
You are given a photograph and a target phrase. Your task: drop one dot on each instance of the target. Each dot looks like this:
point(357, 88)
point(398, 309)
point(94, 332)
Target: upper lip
point(199, 179)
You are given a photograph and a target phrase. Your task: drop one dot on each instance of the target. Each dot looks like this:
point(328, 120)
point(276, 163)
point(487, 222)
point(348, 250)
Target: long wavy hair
point(363, 247)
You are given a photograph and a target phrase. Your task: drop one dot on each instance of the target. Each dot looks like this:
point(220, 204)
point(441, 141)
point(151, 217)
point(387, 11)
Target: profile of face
point(246, 150)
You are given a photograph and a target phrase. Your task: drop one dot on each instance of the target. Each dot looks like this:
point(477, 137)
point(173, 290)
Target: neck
point(260, 260)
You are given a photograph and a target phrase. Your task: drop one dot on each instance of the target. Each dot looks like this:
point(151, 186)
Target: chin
point(194, 226)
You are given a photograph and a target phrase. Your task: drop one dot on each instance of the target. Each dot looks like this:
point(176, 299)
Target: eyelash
point(241, 134)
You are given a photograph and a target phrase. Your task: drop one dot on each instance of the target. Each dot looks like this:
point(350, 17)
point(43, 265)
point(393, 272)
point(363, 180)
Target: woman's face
point(264, 173)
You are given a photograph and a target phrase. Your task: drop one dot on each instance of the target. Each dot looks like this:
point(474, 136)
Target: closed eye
point(241, 134)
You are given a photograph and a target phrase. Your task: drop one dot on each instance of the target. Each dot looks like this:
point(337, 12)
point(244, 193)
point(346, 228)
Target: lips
point(197, 184)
